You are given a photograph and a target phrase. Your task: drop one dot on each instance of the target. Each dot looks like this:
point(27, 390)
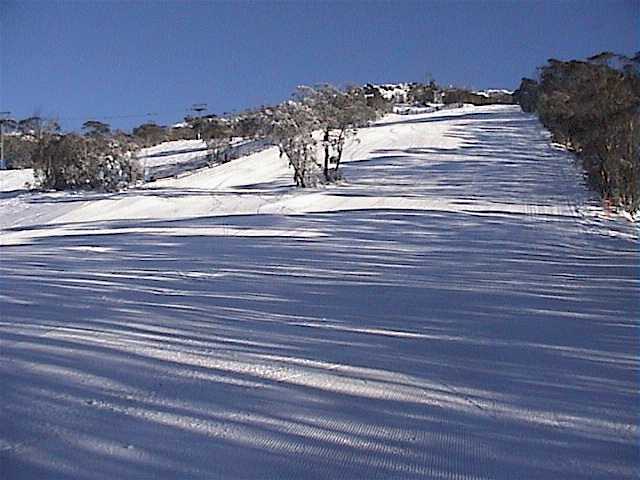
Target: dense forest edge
point(592, 108)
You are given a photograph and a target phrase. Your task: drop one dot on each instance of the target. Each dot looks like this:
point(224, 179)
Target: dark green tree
point(95, 128)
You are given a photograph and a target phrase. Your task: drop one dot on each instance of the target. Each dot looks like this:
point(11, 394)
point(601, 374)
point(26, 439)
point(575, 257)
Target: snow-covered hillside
point(171, 159)
point(178, 151)
point(460, 307)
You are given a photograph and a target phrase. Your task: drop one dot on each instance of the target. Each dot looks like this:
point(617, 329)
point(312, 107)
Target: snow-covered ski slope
point(459, 309)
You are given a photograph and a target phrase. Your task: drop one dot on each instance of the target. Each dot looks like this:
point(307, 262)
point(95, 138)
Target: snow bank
point(16, 180)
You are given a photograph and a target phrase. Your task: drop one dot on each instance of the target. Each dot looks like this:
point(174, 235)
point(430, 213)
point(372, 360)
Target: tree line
point(310, 130)
point(592, 107)
point(94, 160)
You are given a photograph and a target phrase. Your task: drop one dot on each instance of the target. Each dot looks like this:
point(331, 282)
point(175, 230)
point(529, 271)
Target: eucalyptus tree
point(95, 128)
point(593, 107)
point(73, 161)
point(339, 114)
point(291, 127)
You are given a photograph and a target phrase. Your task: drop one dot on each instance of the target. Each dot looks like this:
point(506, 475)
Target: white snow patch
point(11, 180)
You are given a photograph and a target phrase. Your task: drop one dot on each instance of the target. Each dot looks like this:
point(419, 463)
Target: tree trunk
point(340, 148)
point(326, 154)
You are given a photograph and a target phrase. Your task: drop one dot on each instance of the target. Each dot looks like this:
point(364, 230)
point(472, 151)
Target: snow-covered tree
point(338, 114)
point(291, 126)
point(311, 129)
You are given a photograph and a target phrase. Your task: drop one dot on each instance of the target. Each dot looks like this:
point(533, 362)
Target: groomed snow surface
point(460, 308)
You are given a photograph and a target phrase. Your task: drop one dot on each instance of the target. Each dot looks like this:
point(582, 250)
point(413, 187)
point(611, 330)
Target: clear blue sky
point(89, 59)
